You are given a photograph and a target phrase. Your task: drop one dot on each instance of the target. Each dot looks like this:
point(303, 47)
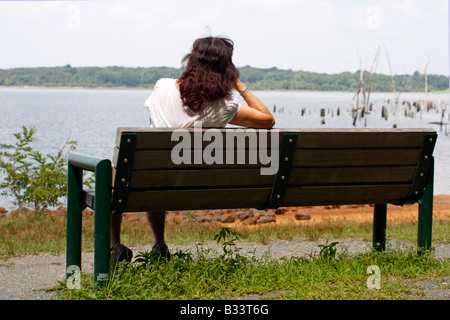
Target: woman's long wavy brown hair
point(208, 72)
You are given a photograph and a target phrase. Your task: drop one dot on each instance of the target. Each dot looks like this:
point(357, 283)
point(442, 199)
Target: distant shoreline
point(255, 78)
point(76, 87)
point(261, 90)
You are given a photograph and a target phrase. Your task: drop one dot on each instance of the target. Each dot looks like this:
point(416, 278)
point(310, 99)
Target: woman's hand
point(238, 86)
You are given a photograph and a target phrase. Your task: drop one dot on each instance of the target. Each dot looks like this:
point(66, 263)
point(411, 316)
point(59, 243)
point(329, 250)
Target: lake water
point(91, 117)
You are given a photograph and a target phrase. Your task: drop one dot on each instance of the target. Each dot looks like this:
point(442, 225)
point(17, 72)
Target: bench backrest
point(315, 167)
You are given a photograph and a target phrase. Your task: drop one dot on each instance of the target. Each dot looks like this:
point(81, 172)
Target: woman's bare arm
point(253, 115)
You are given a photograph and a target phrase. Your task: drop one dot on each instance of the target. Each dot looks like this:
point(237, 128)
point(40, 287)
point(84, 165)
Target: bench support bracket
point(281, 180)
point(426, 212)
point(123, 172)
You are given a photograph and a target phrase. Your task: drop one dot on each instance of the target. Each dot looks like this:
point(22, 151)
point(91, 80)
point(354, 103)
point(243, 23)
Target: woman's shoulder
point(164, 86)
point(165, 82)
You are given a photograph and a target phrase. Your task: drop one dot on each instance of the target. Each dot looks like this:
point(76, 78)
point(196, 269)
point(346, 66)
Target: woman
point(202, 93)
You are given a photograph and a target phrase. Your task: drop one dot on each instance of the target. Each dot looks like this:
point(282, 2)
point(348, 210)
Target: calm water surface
point(91, 117)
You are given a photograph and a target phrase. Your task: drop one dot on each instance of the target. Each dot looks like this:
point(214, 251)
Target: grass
point(230, 275)
point(31, 234)
point(203, 274)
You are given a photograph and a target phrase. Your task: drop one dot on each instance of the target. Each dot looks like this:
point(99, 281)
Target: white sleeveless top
point(166, 109)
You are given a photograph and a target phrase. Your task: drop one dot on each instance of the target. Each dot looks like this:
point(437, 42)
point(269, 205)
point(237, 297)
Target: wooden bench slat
point(335, 195)
point(223, 198)
point(307, 138)
point(197, 198)
point(351, 157)
point(360, 139)
point(349, 175)
point(253, 177)
point(162, 159)
point(162, 138)
point(199, 178)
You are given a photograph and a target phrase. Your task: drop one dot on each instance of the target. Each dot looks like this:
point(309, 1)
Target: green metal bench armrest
point(101, 203)
point(86, 162)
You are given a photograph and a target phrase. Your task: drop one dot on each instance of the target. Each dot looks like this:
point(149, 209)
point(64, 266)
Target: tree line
point(255, 78)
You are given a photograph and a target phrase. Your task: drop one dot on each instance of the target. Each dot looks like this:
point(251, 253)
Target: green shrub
point(31, 178)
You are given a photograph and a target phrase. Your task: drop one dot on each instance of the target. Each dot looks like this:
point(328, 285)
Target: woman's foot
point(120, 253)
point(160, 250)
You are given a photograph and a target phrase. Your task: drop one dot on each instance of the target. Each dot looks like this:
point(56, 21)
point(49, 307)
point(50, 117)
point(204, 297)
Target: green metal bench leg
point(74, 209)
point(426, 213)
point(379, 226)
point(102, 221)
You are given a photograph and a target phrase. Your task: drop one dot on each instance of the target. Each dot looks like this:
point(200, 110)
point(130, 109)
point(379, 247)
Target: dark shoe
point(160, 250)
point(120, 253)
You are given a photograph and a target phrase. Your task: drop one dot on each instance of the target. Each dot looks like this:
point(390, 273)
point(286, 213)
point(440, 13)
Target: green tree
point(255, 78)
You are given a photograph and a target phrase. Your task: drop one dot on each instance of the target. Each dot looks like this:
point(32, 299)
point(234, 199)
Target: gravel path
point(29, 277)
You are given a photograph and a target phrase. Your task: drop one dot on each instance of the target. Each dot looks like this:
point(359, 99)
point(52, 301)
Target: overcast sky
point(311, 35)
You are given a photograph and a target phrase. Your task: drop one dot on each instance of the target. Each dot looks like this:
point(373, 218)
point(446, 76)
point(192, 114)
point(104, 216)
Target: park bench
point(174, 169)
